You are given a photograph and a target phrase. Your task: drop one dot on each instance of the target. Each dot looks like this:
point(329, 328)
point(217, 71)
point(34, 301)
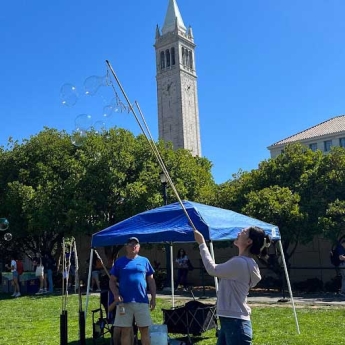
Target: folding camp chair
point(102, 319)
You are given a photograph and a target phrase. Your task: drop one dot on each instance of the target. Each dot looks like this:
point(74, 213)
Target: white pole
point(215, 278)
point(172, 275)
point(88, 282)
point(76, 267)
point(289, 285)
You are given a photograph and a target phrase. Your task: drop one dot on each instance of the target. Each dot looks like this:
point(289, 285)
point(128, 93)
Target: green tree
point(279, 206)
point(51, 189)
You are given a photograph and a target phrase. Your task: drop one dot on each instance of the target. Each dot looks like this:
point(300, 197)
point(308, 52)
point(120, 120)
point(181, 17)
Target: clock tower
point(178, 113)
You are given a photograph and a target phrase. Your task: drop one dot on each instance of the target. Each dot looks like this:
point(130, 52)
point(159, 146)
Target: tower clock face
point(169, 88)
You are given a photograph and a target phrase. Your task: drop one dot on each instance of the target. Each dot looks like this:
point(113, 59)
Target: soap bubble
point(78, 137)
point(99, 126)
point(93, 83)
point(108, 111)
point(4, 224)
point(83, 121)
point(68, 95)
point(8, 236)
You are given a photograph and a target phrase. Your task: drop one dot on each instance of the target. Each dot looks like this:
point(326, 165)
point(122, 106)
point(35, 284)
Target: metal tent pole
point(289, 285)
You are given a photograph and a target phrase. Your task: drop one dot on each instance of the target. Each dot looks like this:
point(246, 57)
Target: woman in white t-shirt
point(15, 276)
point(182, 269)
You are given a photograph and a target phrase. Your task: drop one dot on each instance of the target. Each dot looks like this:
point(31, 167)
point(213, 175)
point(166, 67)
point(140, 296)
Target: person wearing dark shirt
point(49, 268)
point(341, 252)
point(96, 269)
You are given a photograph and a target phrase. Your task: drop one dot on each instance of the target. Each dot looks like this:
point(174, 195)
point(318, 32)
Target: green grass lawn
point(35, 320)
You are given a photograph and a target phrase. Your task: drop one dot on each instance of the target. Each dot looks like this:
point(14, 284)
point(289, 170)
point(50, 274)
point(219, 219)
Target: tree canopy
point(51, 188)
point(300, 191)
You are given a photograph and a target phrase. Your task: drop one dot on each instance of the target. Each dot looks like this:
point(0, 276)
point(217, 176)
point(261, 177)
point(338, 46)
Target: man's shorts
point(15, 274)
point(140, 312)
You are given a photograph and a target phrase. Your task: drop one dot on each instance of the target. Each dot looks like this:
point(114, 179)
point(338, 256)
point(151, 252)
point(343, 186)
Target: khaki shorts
point(140, 312)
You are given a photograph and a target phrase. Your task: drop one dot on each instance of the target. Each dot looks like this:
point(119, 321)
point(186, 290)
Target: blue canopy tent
point(169, 224)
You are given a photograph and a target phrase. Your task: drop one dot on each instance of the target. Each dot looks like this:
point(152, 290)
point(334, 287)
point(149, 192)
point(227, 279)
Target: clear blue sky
point(266, 69)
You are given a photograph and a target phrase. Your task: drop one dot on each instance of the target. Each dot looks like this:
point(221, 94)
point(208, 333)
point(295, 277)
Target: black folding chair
point(102, 319)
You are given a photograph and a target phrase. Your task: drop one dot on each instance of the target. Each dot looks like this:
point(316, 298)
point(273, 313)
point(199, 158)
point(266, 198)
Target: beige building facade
point(319, 137)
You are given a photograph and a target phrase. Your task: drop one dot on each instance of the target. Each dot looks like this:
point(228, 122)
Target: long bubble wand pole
point(148, 137)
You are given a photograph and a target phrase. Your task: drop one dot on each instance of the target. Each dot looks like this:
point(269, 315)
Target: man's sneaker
point(14, 294)
point(98, 290)
point(40, 292)
point(44, 290)
point(17, 294)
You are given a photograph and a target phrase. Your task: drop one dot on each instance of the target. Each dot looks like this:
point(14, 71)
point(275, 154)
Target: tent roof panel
point(170, 224)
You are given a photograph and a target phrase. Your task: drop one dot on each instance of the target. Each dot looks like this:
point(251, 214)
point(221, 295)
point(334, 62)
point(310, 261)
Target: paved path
point(320, 299)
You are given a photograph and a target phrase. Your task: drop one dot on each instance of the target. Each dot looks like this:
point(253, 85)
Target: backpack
point(334, 257)
point(20, 267)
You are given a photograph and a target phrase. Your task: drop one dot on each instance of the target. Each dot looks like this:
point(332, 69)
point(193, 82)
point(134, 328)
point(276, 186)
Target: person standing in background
point(35, 262)
point(15, 275)
point(182, 269)
point(96, 269)
point(341, 252)
point(49, 269)
point(42, 278)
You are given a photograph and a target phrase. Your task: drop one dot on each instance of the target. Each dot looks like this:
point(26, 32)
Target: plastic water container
point(158, 334)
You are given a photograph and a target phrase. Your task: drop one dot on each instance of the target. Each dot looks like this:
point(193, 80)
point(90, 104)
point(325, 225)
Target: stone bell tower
point(178, 110)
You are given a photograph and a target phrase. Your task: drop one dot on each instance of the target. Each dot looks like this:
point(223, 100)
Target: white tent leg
point(88, 282)
point(215, 278)
point(289, 285)
point(172, 284)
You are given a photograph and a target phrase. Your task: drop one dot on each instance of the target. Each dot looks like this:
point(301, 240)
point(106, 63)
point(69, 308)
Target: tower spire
point(173, 17)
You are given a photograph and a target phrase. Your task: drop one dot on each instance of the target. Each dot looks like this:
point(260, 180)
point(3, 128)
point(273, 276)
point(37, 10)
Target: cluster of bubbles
point(83, 123)
point(4, 224)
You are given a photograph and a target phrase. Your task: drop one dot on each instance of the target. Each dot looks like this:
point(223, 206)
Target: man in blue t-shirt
point(133, 273)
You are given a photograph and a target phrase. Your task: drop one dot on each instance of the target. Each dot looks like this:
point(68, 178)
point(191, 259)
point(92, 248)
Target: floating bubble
point(8, 236)
point(83, 121)
point(68, 95)
point(117, 105)
point(108, 111)
point(93, 83)
point(4, 224)
point(78, 137)
point(99, 126)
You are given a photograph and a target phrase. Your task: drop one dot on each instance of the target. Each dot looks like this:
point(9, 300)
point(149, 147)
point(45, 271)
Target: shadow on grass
point(6, 296)
point(107, 341)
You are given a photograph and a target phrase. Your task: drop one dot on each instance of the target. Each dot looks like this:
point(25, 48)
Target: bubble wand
point(145, 130)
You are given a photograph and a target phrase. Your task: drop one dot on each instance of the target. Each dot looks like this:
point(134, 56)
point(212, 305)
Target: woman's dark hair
point(261, 241)
point(179, 255)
